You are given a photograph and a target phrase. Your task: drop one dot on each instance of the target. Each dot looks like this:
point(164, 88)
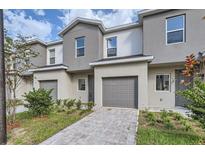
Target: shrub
point(187, 127)
point(178, 116)
point(196, 96)
point(58, 105)
point(69, 103)
point(39, 102)
point(167, 122)
point(183, 121)
point(151, 118)
point(78, 104)
point(164, 114)
point(90, 105)
point(58, 102)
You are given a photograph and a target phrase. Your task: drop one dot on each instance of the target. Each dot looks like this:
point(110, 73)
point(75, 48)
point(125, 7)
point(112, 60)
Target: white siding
point(129, 42)
point(58, 54)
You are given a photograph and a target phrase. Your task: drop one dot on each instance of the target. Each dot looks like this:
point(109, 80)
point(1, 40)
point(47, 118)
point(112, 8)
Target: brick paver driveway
point(104, 126)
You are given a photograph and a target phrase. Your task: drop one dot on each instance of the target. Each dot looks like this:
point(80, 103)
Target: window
point(80, 46)
point(81, 84)
point(162, 82)
point(175, 31)
point(112, 46)
point(52, 56)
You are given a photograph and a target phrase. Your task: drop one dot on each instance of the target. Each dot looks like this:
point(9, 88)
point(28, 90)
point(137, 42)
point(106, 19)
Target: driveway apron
point(104, 126)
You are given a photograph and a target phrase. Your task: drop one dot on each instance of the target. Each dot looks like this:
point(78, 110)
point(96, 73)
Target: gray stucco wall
point(154, 36)
point(40, 60)
point(64, 86)
point(139, 69)
point(161, 99)
point(93, 46)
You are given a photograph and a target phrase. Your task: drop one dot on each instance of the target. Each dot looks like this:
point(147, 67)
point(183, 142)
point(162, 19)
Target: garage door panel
point(120, 92)
point(50, 85)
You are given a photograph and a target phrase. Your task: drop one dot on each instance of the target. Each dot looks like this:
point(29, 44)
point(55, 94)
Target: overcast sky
point(45, 24)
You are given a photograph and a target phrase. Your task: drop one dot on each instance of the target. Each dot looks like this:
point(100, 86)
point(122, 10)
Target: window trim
point(52, 57)
point(184, 29)
point(166, 91)
point(78, 85)
point(76, 47)
point(110, 48)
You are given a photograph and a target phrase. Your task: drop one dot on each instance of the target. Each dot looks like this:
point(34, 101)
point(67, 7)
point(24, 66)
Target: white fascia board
point(48, 68)
point(83, 20)
point(117, 61)
point(98, 23)
point(54, 42)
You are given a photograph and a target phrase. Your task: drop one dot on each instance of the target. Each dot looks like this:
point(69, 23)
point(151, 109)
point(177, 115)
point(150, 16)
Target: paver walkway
point(104, 126)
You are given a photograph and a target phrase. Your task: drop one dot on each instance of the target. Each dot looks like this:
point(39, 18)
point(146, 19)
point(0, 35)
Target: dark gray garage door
point(50, 84)
point(120, 92)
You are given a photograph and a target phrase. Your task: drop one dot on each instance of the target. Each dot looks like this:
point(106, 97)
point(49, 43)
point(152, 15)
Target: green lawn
point(35, 130)
point(168, 128)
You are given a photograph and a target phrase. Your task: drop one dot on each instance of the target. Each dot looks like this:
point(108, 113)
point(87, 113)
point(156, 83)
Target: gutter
point(119, 61)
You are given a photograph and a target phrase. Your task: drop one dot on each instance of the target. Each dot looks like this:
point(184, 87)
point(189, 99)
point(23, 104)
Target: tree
point(18, 54)
point(3, 136)
point(195, 93)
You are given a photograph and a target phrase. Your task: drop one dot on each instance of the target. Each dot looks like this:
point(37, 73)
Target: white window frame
point(184, 16)
point(76, 47)
point(79, 85)
point(169, 83)
point(110, 48)
point(52, 57)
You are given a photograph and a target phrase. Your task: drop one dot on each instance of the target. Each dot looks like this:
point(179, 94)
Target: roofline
point(122, 27)
point(36, 41)
point(48, 68)
point(98, 23)
point(117, 61)
point(54, 42)
point(148, 12)
point(82, 20)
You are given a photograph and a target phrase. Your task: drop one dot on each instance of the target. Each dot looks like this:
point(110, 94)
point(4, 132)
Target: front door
point(91, 88)
point(180, 100)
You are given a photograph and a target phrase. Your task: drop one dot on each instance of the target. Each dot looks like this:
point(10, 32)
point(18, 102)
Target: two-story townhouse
point(92, 57)
point(135, 65)
point(170, 35)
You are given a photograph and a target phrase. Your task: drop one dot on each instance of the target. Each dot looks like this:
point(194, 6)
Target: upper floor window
point(52, 56)
point(80, 46)
point(175, 29)
point(162, 82)
point(111, 46)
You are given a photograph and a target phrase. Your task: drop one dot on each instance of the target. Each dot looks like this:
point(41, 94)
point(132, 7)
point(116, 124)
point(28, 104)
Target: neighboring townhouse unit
point(170, 35)
point(135, 65)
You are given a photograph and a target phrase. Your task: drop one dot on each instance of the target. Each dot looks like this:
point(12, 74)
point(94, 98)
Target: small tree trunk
point(14, 103)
